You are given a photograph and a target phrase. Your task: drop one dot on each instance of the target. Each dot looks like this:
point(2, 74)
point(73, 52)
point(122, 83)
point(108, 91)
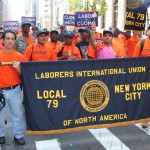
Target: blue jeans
point(14, 98)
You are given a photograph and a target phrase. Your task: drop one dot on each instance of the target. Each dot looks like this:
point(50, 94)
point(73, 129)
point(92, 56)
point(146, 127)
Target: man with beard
point(24, 39)
point(117, 40)
point(143, 51)
point(67, 50)
point(40, 51)
point(86, 50)
point(54, 43)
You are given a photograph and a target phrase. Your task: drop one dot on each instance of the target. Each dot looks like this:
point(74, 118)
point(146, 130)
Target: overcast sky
point(17, 9)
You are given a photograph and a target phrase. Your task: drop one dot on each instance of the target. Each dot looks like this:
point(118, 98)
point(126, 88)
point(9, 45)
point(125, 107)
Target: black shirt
point(83, 47)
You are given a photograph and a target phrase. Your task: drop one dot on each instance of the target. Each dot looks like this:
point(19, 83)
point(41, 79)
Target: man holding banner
point(144, 50)
point(40, 51)
point(131, 43)
point(136, 14)
point(10, 86)
point(67, 50)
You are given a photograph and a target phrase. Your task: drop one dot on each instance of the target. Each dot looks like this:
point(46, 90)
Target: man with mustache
point(40, 51)
point(24, 39)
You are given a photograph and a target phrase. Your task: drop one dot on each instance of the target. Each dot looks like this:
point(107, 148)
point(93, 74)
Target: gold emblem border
point(87, 84)
point(135, 5)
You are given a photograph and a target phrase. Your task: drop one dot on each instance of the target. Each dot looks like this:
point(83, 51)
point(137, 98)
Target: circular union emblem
point(94, 96)
point(133, 4)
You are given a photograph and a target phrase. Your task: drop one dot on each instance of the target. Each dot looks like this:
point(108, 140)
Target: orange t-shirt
point(145, 51)
point(91, 52)
point(1, 42)
point(76, 40)
point(73, 49)
point(123, 37)
point(9, 76)
point(98, 35)
point(1, 47)
point(130, 44)
point(30, 40)
point(120, 44)
point(54, 45)
point(47, 38)
point(35, 52)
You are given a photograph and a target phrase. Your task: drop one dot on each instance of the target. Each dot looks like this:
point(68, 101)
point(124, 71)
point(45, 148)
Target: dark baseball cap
point(69, 34)
point(108, 31)
point(54, 31)
point(25, 23)
point(85, 30)
point(62, 26)
point(40, 32)
point(34, 28)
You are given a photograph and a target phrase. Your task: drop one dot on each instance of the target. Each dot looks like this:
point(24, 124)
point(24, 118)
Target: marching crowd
point(42, 45)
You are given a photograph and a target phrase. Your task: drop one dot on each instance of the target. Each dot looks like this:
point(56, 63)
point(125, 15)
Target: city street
point(118, 138)
point(72, 65)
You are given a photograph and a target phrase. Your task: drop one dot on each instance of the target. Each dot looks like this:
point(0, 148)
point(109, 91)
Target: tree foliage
point(96, 5)
point(75, 5)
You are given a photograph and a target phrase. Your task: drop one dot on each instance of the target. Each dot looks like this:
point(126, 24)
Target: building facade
point(116, 10)
point(49, 13)
point(43, 13)
point(28, 8)
point(1, 12)
point(34, 8)
point(61, 8)
point(116, 14)
point(6, 10)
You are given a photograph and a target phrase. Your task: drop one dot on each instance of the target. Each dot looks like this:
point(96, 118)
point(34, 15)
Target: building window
point(103, 18)
point(115, 13)
point(46, 5)
point(46, 17)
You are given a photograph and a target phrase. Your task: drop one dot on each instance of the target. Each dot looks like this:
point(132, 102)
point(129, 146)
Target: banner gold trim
point(88, 127)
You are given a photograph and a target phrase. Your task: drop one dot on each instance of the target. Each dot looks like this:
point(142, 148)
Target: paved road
point(118, 138)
